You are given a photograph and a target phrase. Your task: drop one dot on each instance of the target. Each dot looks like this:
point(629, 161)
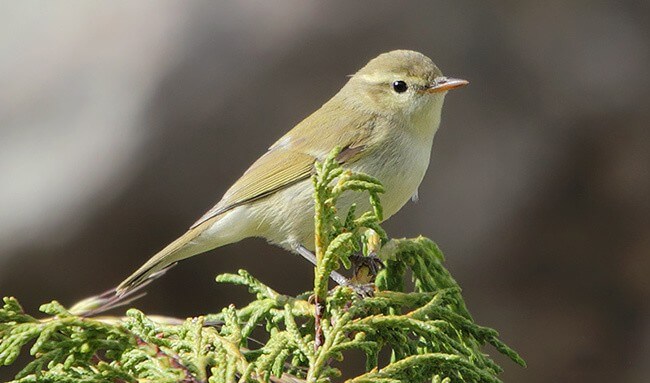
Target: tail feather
point(187, 245)
point(183, 247)
point(138, 281)
point(223, 229)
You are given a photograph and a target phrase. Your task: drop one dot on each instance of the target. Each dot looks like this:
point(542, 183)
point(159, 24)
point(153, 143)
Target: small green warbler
point(384, 118)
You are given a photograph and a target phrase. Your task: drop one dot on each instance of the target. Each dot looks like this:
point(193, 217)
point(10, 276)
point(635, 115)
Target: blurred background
point(121, 123)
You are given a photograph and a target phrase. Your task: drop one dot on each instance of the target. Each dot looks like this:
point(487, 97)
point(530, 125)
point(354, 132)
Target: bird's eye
point(400, 86)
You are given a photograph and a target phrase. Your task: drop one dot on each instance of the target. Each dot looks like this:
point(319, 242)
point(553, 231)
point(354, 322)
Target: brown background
point(121, 123)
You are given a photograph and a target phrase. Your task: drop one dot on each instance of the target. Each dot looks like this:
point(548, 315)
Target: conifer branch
point(428, 331)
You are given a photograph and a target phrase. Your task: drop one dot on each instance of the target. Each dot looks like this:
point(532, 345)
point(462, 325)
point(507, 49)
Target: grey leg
point(308, 255)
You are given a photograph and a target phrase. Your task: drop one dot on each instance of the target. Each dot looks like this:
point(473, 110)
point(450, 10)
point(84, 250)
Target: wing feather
point(291, 159)
point(273, 171)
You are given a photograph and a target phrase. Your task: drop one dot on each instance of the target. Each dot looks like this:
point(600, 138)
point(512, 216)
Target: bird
point(384, 118)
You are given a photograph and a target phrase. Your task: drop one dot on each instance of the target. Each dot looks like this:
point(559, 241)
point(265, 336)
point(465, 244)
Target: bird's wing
point(291, 160)
point(270, 173)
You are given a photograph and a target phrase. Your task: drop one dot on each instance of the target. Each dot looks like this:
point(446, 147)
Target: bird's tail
point(132, 287)
point(191, 243)
point(185, 246)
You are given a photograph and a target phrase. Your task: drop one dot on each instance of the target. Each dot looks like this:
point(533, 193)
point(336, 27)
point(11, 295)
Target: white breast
point(400, 169)
point(401, 163)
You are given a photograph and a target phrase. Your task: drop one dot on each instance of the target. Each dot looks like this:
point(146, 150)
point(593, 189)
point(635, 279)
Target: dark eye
point(400, 86)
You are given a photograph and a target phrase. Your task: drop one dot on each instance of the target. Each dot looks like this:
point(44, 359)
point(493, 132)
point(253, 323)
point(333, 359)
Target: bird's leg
point(362, 289)
point(336, 277)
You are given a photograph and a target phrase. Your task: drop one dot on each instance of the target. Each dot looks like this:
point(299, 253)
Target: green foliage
point(426, 329)
point(336, 240)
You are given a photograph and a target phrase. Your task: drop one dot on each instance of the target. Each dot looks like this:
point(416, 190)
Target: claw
point(365, 268)
point(363, 290)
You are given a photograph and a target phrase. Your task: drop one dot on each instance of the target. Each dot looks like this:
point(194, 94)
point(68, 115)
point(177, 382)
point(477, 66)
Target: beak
point(444, 84)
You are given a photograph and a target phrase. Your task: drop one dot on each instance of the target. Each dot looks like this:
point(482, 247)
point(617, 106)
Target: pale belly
point(401, 173)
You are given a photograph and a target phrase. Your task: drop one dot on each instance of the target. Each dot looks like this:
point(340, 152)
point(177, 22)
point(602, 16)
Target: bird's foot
point(371, 262)
point(365, 269)
point(363, 290)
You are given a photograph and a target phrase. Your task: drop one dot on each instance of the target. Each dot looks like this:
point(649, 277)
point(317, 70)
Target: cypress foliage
point(427, 329)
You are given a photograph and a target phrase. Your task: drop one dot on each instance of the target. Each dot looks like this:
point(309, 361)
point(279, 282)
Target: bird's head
point(401, 82)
